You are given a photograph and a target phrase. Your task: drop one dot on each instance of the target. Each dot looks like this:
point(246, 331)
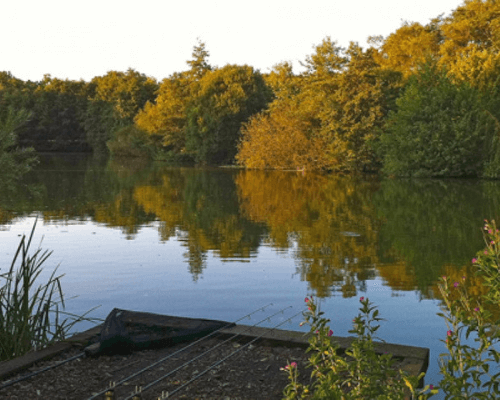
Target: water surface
point(220, 243)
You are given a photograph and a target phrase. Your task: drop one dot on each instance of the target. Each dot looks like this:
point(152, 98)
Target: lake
point(221, 243)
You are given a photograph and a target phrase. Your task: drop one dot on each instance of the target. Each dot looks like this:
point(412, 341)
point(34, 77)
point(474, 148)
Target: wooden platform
point(413, 360)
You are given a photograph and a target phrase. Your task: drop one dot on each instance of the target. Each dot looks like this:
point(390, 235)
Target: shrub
point(466, 369)
point(130, 141)
point(360, 373)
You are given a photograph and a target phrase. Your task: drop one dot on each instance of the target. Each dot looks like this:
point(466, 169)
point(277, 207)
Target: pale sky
point(77, 39)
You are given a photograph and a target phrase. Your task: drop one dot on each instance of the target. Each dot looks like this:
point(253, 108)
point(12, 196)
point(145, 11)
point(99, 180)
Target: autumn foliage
point(348, 109)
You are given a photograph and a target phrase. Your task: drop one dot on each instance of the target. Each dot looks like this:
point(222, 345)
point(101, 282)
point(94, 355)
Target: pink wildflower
point(476, 309)
point(431, 386)
point(361, 298)
point(330, 332)
point(474, 260)
point(455, 284)
point(306, 299)
point(293, 365)
point(449, 333)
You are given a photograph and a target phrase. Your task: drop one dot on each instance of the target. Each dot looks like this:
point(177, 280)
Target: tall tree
point(356, 109)
point(199, 62)
point(127, 91)
point(328, 118)
point(166, 117)
point(226, 98)
point(439, 129)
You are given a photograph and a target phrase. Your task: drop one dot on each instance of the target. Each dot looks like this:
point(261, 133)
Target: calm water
point(219, 243)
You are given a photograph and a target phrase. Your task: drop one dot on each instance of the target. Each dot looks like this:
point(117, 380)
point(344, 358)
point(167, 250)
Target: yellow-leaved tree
point(326, 119)
point(409, 47)
point(166, 117)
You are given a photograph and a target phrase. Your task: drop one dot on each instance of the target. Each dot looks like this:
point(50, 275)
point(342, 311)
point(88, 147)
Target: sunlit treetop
point(199, 63)
point(283, 81)
point(477, 23)
point(49, 84)
point(410, 46)
point(8, 81)
point(326, 60)
point(128, 91)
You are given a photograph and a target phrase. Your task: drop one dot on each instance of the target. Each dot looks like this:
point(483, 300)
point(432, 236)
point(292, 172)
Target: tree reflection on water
point(342, 231)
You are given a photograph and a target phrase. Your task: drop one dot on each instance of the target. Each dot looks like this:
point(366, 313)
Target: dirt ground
point(252, 372)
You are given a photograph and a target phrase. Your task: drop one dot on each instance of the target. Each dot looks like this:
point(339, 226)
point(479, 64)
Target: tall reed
point(31, 314)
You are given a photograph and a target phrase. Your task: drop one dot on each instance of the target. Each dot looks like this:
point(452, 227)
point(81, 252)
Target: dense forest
point(423, 101)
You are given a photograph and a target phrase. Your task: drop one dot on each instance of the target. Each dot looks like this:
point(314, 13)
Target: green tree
point(165, 119)
point(130, 141)
point(58, 111)
point(127, 91)
point(14, 160)
point(226, 98)
point(99, 123)
point(355, 111)
point(439, 129)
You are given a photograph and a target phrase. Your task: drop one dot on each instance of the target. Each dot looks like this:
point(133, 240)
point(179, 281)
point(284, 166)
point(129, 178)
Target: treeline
point(423, 101)
point(67, 115)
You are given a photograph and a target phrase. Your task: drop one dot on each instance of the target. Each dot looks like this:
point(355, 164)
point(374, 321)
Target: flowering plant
point(359, 373)
point(466, 368)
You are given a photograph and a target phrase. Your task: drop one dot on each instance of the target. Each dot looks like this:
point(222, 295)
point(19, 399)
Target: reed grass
point(32, 315)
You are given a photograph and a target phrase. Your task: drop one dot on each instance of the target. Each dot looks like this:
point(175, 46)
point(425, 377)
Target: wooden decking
point(411, 359)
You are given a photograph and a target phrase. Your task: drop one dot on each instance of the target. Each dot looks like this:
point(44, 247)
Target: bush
point(360, 373)
point(130, 141)
point(363, 374)
point(466, 368)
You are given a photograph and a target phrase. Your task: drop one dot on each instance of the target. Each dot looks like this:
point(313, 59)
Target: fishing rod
point(225, 358)
point(126, 379)
point(22, 378)
point(151, 384)
point(83, 354)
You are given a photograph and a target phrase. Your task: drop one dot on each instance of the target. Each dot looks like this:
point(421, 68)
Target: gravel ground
point(253, 372)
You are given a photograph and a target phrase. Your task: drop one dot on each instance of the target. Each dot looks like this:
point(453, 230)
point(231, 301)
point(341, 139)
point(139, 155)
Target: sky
point(75, 39)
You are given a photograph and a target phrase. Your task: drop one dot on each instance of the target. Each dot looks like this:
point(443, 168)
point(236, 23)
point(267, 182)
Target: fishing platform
point(128, 331)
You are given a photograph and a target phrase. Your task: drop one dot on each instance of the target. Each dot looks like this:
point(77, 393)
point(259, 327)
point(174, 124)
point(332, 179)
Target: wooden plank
point(413, 360)
point(12, 367)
